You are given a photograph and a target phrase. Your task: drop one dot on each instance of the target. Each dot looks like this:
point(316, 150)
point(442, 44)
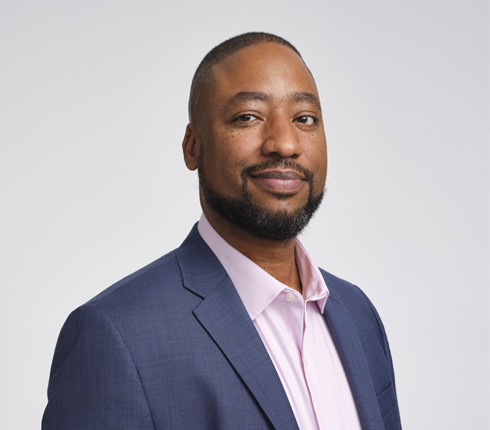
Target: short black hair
point(222, 51)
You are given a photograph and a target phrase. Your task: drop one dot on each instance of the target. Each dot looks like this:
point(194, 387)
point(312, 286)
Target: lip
point(279, 181)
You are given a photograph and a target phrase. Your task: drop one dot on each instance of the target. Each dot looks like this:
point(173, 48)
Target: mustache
point(278, 162)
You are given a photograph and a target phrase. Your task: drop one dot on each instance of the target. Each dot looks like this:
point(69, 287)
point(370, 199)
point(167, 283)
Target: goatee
point(277, 225)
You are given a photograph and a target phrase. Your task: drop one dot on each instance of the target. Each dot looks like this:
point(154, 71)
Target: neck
point(277, 258)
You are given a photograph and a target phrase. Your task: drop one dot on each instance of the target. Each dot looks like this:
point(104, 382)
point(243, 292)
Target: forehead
point(266, 67)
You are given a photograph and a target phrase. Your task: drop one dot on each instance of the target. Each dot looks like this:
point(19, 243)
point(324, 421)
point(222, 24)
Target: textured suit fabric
point(173, 347)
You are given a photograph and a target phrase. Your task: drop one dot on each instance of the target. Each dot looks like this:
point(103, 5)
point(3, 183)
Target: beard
point(279, 225)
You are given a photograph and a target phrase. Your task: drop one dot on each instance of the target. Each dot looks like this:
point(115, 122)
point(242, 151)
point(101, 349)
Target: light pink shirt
point(295, 334)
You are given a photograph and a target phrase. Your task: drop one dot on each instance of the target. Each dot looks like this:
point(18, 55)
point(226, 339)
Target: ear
point(190, 147)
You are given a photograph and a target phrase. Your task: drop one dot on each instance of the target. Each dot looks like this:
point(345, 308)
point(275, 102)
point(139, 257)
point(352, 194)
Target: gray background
point(93, 186)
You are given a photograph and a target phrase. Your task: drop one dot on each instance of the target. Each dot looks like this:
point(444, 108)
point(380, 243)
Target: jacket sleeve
point(94, 383)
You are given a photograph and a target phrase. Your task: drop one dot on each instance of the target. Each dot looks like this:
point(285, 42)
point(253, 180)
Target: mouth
point(279, 181)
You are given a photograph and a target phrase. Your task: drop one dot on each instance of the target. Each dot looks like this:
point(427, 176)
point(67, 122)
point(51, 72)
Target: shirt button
point(290, 297)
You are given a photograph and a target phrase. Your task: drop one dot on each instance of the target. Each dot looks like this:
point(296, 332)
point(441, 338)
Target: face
point(259, 141)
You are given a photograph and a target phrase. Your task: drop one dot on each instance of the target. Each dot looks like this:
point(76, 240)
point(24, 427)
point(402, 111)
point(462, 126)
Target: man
point(237, 328)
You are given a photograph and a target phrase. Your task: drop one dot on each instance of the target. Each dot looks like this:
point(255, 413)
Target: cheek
point(322, 167)
point(238, 148)
point(244, 143)
point(318, 157)
point(223, 164)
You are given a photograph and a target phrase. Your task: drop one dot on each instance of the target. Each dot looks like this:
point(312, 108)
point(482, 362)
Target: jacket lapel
point(352, 353)
point(225, 318)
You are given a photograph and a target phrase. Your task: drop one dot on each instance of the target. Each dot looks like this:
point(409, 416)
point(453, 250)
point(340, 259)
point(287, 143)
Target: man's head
point(256, 137)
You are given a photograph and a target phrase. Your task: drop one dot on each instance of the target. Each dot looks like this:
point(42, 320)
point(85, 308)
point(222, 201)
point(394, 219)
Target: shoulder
point(149, 299)
point(145, 281)
point(156, 295)
point(341, 290)
point(138, 294)
point(360, 308)
point(164, 284)
point(348, 294)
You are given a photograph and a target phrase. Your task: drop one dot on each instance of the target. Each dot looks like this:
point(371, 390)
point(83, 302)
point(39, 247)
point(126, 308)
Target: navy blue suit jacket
point(173, 347)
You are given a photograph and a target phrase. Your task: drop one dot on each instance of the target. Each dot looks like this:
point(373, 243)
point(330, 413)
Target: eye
point(307, 120)
point(245, 118)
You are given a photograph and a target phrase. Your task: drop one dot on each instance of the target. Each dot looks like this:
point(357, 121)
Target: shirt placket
point(307, 360)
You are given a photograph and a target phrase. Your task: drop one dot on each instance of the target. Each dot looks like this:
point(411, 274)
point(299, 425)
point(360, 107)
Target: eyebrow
point(254, 96)
point(246, 96)
point(306, 97)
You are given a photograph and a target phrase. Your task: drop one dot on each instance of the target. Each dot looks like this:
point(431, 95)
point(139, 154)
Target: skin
point(262, 103)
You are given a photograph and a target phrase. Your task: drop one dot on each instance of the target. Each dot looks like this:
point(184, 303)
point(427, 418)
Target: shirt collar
point(255, 286)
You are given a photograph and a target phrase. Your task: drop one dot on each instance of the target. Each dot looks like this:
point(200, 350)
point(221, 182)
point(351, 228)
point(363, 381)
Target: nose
point(281, 139)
